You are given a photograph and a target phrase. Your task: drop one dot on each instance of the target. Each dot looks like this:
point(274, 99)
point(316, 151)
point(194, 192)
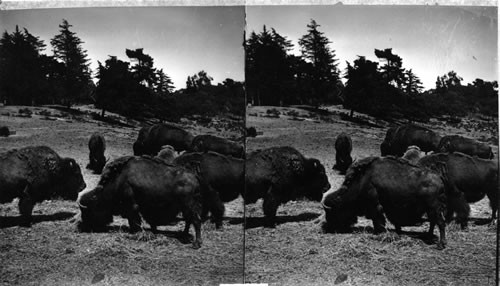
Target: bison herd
point(171, 172)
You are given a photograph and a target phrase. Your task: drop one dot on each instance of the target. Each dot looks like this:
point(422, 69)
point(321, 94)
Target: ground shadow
point(179, 235)
point(8, 221)
point(254, 222)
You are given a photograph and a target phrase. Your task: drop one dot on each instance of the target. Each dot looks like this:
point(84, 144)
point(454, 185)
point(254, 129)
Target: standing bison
point(376, 186)
point(222, 180)
point(281, 174)
point(151, 139)
point(142, 186)
point(97, 146)
point(37, 173)
point(205, 143)
point(467, 180)
point(398, 139)
point(343, 148)
point(455, 143)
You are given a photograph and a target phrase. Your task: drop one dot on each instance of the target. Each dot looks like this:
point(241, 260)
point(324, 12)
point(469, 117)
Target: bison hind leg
point(26, 205)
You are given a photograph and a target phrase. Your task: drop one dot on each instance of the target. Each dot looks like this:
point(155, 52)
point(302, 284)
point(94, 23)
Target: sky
point(181, 40)
point(431, 40)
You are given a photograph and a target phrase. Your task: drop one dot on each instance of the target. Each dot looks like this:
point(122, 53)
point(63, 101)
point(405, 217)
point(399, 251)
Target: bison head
point(340, 216)
point(316, 181)
point(71, 179)
point(95, 211)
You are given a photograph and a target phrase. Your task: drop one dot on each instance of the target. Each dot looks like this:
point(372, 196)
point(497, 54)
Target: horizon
point(204, 38)
point(431, 40)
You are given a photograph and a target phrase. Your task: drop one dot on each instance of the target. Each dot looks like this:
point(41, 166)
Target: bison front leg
point(134, 218)
point(26, 205)
point(216, 208)
point(270, 206)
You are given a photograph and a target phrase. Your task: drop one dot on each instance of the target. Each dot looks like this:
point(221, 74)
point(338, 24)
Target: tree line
point(133, 88)
point(383, 88)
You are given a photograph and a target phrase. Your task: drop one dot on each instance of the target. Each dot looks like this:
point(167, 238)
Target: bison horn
point(325, 206)
point(80, 205)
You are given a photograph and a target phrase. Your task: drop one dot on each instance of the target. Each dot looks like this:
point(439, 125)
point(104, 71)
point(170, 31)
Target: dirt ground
point(296, 252)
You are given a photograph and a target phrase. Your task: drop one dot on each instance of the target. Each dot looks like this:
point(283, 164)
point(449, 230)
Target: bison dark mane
point(113, 168)
point(357, 169)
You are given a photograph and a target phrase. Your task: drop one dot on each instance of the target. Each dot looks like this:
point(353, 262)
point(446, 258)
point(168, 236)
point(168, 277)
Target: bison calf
point(37, 173)
point(374, 187)
point(142, 186)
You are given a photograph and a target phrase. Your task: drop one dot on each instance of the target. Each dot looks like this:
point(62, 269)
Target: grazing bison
point(97, 146)
point(205, 143)
point(4, 131)
point(281, 174)
point(221, 177)
point(398, 139)
point(467, 180)
point(251, 131)
point(376, 186)
point(37, 173)
point(167, 154)
point(343, 148)
point(456, 143)
point(142, 186)
point(413, 154)
point(150, 140)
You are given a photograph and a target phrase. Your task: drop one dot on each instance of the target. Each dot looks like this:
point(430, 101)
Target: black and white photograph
point(259, 144)
point(122, 144)
point(394, 110)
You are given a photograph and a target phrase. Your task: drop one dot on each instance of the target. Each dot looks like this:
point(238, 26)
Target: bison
point(281, 174)
point(343, 148)
point(37, 173)
point(251, 131)
point(204, 143)
point(376, 186)
point(221, 177)
point(97, 146)
point(413, 154)
point(467, 180)
point(398, 139)
point(456, 143)
point(4, 131)
point(142, 186)
point(151, 139)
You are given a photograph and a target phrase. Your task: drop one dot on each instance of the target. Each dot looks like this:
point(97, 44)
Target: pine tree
point(23, 78)
point(67, 49)
point(325, 74)
point(413, 85)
